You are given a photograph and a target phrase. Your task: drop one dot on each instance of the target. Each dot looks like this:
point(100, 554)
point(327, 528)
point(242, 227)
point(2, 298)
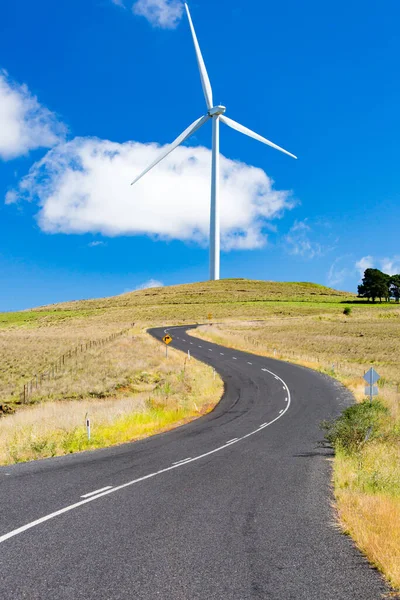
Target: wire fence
point(332, 367)
point(56, 367)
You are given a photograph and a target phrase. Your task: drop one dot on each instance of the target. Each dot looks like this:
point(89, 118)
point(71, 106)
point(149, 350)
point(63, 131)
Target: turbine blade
point(205, 81)
point(181, 138)
point(252, 134)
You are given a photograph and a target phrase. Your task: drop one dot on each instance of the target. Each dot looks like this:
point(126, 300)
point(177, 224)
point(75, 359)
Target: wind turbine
point(217, 114)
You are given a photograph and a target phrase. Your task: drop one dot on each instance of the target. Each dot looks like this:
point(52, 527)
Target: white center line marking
point(263, 424)
point(191, 343)
point(249, 363)
point(103, 489)
point(179, 462)
point(200, 346)
point(210, 349)
point(71, 507)
point(285, 399)
point(233, 440)
point(222, 354)
point(264, 369)
point(234, 357)
point(281, 411)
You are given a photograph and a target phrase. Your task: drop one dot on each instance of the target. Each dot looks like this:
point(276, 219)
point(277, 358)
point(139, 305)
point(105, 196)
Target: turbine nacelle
point(217, 110)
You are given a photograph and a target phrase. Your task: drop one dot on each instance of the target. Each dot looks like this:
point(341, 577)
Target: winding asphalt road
point(233, 506)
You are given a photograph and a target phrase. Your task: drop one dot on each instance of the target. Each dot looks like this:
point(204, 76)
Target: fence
point(51, 371)
point(331, 367)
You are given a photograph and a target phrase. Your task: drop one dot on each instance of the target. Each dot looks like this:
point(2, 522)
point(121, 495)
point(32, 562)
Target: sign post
point(371, 377)
point(167, 339)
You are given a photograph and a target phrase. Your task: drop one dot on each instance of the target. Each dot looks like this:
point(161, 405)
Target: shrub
point(347, 310)
point(357, 423)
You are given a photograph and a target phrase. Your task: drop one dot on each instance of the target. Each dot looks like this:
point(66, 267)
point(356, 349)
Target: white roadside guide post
point(87, 426)
point(371, 377)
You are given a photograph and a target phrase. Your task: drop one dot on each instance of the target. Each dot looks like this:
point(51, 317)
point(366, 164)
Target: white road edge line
point(103, 489)
point(71, 507)
point(178, 462)
point(233, 440)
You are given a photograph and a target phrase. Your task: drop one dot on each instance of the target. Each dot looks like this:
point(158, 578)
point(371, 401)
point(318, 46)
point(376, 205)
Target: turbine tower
point(217, 114)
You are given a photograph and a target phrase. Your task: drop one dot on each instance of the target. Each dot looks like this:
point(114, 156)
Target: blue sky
point(88, 89)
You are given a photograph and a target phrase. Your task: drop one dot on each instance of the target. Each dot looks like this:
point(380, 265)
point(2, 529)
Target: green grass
point(34, 318)
point(133, 426)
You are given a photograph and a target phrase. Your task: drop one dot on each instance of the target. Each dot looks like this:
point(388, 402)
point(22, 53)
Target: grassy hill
point(224, 291)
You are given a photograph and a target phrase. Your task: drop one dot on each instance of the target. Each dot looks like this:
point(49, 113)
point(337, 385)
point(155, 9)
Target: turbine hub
point(216, 111)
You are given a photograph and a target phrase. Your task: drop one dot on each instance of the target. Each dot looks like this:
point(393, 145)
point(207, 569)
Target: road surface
point(233, 506)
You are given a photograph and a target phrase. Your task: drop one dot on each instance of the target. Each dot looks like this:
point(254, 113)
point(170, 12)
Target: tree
point(375, 284)
point(395, 287)
point(362, 292)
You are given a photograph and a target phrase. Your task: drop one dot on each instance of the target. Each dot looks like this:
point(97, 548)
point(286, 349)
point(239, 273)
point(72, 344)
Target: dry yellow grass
point(143, 393)
point(26, 348)
point(371, 335)
point(373, 521)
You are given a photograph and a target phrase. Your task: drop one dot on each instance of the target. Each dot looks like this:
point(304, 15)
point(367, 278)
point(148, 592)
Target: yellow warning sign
point(167, 339)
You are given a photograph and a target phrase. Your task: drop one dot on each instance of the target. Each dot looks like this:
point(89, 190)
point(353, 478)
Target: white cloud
point(95, 244)
point(84, 186)
point(391, 266)
point(118, 3)
point(11, 197)
point(366, 262)
point(160, 13)
point(340, 270)
point(24, 123)
point(151, 283)
point(298, 241)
